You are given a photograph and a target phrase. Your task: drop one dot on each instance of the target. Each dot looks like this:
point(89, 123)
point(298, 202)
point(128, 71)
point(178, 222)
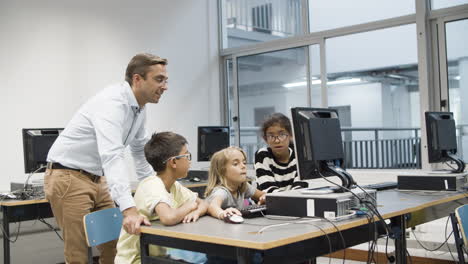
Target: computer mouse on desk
point(195, 179)
point(234, 219)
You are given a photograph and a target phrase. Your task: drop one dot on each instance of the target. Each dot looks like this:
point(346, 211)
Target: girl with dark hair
point(276, 164)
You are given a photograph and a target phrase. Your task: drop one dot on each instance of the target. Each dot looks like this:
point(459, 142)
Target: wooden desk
point(18, 211)
point(25, 210)
point(300, 241)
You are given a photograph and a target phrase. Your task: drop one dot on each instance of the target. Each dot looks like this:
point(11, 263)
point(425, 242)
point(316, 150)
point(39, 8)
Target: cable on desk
point(339, 232)
point(308, 222)
point(448, 247)
point(441, 245)
point(326, 235)
point(409, 256)
point(448, 164)
point(372, 208)
point(270, 226)
point(42, 220)
point(8, 237)
point(373, 236)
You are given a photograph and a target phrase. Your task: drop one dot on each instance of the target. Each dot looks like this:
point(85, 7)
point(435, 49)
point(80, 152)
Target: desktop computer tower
point(301, 204)
point(433, 181)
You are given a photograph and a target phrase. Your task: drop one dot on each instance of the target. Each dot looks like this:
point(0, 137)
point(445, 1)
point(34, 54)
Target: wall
point(56, 54)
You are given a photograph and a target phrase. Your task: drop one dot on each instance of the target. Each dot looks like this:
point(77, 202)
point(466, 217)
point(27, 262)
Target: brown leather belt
point(58, 166)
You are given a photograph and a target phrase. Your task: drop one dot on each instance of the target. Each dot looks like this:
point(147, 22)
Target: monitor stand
point(444, 171)
point(321, 190)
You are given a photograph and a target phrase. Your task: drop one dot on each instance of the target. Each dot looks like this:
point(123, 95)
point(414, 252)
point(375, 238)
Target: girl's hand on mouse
point(228, 212)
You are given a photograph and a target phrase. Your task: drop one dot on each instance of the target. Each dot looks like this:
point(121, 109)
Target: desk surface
point(15, 202)
point(208, 229)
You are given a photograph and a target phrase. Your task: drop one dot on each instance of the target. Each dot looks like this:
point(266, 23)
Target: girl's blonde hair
point(217, 172)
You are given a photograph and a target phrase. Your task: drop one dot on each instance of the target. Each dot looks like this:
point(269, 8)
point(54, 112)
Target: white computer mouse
point(234, 219)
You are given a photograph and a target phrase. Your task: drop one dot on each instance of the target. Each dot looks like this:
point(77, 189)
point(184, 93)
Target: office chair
point(101, 227)
point(460, 230)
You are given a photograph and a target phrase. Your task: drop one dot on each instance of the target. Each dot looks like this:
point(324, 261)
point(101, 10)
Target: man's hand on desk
point(133, 220)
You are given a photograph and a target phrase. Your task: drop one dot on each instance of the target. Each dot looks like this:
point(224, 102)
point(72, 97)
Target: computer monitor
point(36, 145)
point(318, 144)
point(210, 140)
point(442, 139)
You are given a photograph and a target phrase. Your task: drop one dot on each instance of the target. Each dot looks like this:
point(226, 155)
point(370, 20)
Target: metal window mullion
point(305, 16)
point(222, 26)
point(309, 79)
point(436, 98)
point(441, 55)
point(424, 71)
point(235, 103)
point(224, 93)
point(449, 11)
point(323, 73)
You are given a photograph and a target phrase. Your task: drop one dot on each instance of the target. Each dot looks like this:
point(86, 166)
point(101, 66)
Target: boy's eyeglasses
point(188, 156)
point(280, 137)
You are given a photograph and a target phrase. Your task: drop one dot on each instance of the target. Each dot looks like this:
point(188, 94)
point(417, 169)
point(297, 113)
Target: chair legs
point(458, 239)
point(90, 255)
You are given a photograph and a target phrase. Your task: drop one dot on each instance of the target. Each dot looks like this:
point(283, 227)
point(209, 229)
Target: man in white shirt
point(92, 145)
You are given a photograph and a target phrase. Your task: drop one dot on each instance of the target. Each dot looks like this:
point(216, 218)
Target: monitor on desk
point(36, 145)
point(442, 139)
point(210, 140)
point(319, 148)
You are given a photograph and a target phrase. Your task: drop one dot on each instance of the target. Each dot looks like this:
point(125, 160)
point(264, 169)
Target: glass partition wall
point(365, 60)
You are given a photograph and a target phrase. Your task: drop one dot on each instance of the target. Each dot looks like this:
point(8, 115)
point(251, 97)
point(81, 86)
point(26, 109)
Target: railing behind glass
point(274, 17)
point(380, 148)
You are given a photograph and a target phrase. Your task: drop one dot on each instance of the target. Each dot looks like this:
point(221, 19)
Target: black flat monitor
point(210, 140)
point(442, 139)
point(318, 144)
point(36, 145)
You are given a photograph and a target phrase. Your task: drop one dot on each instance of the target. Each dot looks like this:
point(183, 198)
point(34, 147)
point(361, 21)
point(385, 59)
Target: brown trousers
point(72, 195)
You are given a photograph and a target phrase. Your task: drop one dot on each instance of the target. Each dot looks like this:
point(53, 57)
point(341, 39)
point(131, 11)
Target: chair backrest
point(462, 216)
point(102, 226)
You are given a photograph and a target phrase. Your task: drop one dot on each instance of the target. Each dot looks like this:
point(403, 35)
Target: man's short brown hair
point(161, 147)
point(140, 65)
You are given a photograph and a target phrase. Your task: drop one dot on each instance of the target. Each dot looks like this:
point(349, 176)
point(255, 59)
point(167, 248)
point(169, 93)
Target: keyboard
point(253, 210)
point(381, 186)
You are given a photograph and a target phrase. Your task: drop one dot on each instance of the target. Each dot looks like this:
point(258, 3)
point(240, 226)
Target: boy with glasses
point(276, 165)
point(161, 197)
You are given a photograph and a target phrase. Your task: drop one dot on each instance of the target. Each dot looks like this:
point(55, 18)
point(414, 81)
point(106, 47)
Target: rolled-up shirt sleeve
point(108, 127)
point(137, 148)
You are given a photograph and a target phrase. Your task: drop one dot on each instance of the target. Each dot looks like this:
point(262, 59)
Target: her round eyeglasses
point(280, 137)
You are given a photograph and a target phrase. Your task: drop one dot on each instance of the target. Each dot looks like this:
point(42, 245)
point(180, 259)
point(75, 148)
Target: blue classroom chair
point(460, 230)
point(101, 227)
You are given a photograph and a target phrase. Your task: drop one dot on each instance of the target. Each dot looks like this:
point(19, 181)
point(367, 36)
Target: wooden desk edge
point(22, 202)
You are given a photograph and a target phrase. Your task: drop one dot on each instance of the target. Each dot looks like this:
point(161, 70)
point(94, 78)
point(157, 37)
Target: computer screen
point(210, 140)
point(318, 143)
point(442, 139)
point(36, 145)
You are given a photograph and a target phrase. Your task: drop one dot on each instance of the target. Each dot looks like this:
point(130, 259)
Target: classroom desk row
point(24, 210)
point(289, 242)
point(302, 239)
